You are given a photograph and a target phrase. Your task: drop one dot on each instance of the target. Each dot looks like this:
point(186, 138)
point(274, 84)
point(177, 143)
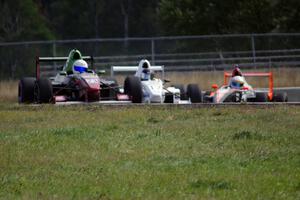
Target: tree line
point(23, 20)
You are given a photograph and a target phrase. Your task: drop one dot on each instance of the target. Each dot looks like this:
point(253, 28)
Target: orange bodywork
point(255, 74)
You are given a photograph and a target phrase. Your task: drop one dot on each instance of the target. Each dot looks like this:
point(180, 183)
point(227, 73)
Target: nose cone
point(93, 89)
point(93, 83)
point(156, 98)
point(154, 90)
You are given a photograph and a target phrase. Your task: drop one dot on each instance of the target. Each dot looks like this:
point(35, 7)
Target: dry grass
point(283, 77)
point(8, 91)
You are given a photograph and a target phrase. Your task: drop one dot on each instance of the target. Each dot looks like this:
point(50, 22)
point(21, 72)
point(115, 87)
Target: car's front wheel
point(194, 93)
point(133, 88)
point(26, 90)
point(261, 97)
point(280, 97)
point(43, 91)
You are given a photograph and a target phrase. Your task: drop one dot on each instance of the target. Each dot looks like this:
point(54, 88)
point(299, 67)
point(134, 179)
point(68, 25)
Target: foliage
point(82, 19)
point(149, 152)
point(198, 17)
point(72, 18)
point(67, 19)
point(287, 13)
point(20, 20)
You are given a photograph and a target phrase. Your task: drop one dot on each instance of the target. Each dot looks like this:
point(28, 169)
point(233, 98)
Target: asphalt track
point(292, 92)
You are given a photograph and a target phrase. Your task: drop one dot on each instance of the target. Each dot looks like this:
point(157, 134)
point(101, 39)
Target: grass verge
point(149, 152)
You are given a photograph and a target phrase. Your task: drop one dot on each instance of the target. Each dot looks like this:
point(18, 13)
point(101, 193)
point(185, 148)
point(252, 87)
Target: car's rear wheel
point(194, 93)
point(281, 97)
point(261, 97)
point(26, 90)
point(43, 91)
point(133, 88)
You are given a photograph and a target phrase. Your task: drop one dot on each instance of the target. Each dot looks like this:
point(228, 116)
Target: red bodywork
point(91, 86)
point(90, 90)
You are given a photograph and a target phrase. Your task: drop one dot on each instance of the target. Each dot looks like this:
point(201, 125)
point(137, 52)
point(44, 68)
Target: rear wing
point(38, 60)
point(228, 75)
point(114, 69)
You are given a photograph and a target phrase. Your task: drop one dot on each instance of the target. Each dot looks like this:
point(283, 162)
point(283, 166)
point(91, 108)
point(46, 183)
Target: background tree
point(287, 15)
point(193, 17)
point(69, 19)
point(101, 18)
point(20, 20)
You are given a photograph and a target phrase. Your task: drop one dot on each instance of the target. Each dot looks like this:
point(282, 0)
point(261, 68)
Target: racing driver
point(144, 72)
point(237, 80)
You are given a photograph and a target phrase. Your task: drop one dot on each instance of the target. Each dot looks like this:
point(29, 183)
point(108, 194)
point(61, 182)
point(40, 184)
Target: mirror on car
point(152, 75)
point(90, 71)
point(214, 86)
point(167, 80)
point(63, 73)
point(101, 72)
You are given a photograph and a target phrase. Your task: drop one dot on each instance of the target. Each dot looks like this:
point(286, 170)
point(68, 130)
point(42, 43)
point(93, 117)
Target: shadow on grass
point(214, 185)
point(66, 131)
point(247, 135)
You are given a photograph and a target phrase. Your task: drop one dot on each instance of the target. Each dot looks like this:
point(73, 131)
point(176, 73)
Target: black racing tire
point(194, 93)
point(133, 88)
point(183, 94)
point(43, 90)
point(26, 90)
point(261, 97)
point(280, 97)
point(169, 98)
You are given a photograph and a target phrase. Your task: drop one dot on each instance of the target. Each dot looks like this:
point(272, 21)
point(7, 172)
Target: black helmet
point(236, 71)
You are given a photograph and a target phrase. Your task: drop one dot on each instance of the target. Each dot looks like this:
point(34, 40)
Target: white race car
point(238, 90)
point(143, 87)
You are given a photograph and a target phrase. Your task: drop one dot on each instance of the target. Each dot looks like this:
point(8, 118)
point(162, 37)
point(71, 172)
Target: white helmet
point(80, 66)
point(144, 70)
point(237, 82)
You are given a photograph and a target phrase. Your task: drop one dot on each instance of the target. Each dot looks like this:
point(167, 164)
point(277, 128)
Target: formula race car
point(75, 82)
point(145, 87)
point(238, 90)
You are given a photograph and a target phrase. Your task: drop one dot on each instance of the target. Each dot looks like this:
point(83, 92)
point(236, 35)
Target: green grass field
point(149, 152)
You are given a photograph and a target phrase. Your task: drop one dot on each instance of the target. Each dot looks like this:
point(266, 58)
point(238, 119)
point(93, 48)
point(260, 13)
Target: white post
point(152, 51)
point(253, 49)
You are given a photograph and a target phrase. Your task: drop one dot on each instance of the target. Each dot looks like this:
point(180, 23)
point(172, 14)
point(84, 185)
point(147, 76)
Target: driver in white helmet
point(80, 66)
point(144, 71)
point(237, 82)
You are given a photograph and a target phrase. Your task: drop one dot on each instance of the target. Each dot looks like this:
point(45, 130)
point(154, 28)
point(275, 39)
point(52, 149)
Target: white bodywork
point(242, 93)
point(153, 89)
point(225, 91)
point(154, 92)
